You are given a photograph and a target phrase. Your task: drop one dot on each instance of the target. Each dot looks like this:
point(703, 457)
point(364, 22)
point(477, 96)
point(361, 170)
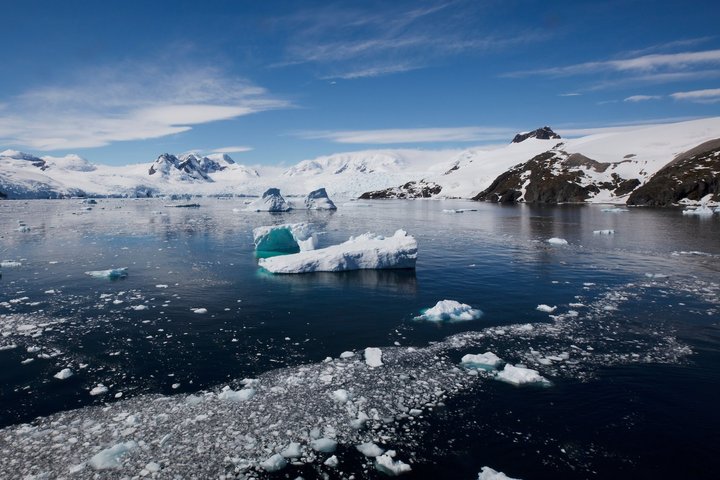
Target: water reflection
point(403, 281)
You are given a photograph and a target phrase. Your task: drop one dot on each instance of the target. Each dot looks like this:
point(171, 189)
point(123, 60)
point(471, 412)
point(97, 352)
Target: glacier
point(367, 251)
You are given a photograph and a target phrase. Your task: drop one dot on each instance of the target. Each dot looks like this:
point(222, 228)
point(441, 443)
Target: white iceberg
point(64, 374)
point(450, 310)
point(546, 308)
point(324, 445)
point(520, 375)
point(373, 357)
point(100, 389)
point(319, 200)
point(487, 473)
point(111, 273)
point(271, 201)
point(485, 361)
point(701, 211)
point(367, 251)
point(388, 466)
point(285, 238)
point(557, 241)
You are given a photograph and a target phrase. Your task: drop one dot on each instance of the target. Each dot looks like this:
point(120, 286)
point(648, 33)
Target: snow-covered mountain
point(536, 167)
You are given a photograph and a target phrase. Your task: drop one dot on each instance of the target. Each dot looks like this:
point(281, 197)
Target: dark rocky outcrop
point(544, 133)
point(555, 177)
point(421, 189)
point(691, 175)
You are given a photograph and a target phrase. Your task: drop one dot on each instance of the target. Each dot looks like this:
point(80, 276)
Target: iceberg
point(284, 239)
point(112, 273)
point(274, 464)
point(487, 473)
point(520, 375)
point(557, 241)
point(319, 200)
point(64, 374)
point(368, 251)
point(701, 211)
point(450, 310)
point(271, 201)
point(546, 308)
point(484, 361)
point(388, 466)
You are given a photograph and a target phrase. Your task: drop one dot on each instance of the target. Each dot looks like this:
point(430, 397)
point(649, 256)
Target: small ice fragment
point(487, 473)
point(557, 241)
point(546, 308)
point(100, 389)
point(603, 232)
point(274, 463)
point(199, 310)
point(153, 467)
point(450, 310)
point(373, 357)
point(111, 457)
point(520, 375)
point(324, 445)
point(292, 451)
point(139, 307)
point(388, 466)
point(347, 354)
point(485, 361)
point(369, 449)
point(341, 395)
point(64, 374)
point(10, 264)
point(161, 285)
point(112, 273)
point(332, 462)
point(236, 395)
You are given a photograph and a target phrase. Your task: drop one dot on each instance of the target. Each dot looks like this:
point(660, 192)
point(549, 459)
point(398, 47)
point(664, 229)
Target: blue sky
point(277, 82)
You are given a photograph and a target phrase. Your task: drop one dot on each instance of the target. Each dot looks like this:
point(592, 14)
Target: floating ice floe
point(702, 211)
point(274, 464)
point(369, 449)
point(111, 457)
point(557, 241)
point(199, 310)
point(368, 251)
point(271, 201)
point(615, 210)
point(112, 273)
point(520, 376)
point(324, 445)
point(10, 264)
point(484, 361)
point(100, 389)
point(459, 210)
point(487, 473)
point(603, 232)
point(319, 200)
point(546, 308)
point(231, 395)
point(286, 238)
point(450, 311)
point(64, 374)
point(385, 464)
point(373, 357)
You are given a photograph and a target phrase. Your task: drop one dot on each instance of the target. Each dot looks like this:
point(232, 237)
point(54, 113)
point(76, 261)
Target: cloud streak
point(412, 135)
point(123, 103)
point(711, 95)
point(233, 149)
point(642, 98)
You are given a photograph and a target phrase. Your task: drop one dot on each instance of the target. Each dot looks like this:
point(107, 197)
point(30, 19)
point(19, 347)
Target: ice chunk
point(388, 466)
point(199, 310)
point(520, 375)
point(274, 463)
point(603, 232)
point(557, 241)
point(702, 211)
point(341, 395)
point(271, 201)
point(100, 389)
point(347, 354)
point(459, 210)
point(369, 449)
point(236, 395)
point(324, 445)
point(292, 451)
point(373, 357)
point(10, 264)
point(615, 210)
point(487, 473)
point(546, 308)
point(485, 361)
point(367, 251)
point(319, 200)
point(332, 462)
point(64, 374)
point(112, 273)
point(450, 310)
point(286, 238)
point(111, 457)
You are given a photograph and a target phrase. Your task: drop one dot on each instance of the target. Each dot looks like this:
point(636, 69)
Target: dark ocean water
point(649, 413)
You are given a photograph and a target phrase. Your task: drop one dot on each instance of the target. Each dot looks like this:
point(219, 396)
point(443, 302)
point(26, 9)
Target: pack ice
point(286, 238)
point(271, 201)
point(367, 251)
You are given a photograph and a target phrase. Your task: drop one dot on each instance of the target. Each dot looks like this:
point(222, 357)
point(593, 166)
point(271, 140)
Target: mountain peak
point(544, 133)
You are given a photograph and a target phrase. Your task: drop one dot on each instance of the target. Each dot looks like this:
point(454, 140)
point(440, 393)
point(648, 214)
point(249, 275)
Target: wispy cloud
point(571, 94)
point(233, 149)
point(643, 63)
point(360, 42)
point(642, 98)
point(127, 102)
point(412, 135)
point(711, 95)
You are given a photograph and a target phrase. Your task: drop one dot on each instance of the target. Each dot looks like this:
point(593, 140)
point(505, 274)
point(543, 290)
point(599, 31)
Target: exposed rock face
point(186, 167)
point(692, 176)
point(557, 177)
point(544, 133)
point(421, 189)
